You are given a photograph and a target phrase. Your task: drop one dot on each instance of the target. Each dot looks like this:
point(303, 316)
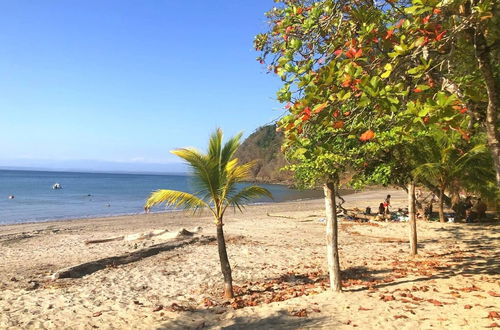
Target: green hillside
point(264, 147)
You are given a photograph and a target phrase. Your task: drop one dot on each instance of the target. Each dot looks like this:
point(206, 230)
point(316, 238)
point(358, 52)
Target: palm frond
point(241, 172)
point(429, 171)
point(176, 199)
point(477, 152)
point(246, 194)
point(215, 175)
point(234, 174)
point(215, 144)
point(191, 155)
point(230, 148)
point(205, 172)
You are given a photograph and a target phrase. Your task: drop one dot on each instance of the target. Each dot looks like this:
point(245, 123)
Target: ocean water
point(87, 195)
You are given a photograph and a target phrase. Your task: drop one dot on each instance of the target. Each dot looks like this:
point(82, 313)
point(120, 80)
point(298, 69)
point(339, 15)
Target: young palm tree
point(216, 175)
point(447, 167)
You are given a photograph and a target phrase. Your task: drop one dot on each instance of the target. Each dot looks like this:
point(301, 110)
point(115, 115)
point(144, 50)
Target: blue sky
point(106, 82)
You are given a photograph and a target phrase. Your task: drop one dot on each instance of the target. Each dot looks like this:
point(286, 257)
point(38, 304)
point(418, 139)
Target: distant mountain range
point(93, 166)
point(264, 147)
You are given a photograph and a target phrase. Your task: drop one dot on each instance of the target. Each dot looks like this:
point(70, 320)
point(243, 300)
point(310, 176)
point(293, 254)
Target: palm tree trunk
point(441, 205)
point(413, 220)
point(332, 250)
point(224, 262)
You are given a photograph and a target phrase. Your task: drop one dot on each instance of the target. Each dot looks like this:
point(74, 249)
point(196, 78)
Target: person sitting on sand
point(381, 209)
point(428, 211)
point(368, 210)
point(468, 202)
point(481, 209)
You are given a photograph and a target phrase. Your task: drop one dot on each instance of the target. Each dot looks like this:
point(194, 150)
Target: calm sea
point(87, 195)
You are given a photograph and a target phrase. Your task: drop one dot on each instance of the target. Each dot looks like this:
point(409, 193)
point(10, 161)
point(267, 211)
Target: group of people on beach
point(383, 208)
point(464, 209)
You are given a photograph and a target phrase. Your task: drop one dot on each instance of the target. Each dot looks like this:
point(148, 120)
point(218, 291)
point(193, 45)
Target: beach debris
point(32, 285)
point(175, 307)
point(87, 268)
point(164, 234)
point(492, 325)
point(157, 308)
point(435, 302)
point(387, 298)
point(96, 314)
point(209, 303)
point(299, 313)
point(467, 289)
point(400, 317)
point(493, 294)
point(467, 306)
point(493, 315)
point(280, 216)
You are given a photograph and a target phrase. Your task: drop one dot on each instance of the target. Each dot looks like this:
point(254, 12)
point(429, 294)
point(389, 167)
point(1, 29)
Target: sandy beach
point(277, 252)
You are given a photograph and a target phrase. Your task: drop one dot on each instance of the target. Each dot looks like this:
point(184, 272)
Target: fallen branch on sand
point(94, 266)
point(280, 216)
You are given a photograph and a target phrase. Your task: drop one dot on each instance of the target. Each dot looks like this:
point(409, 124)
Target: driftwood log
point(94, 266)
point(161, 234)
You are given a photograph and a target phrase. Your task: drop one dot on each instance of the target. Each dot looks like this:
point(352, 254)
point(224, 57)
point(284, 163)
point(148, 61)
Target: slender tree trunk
point(441, 205)
point(332, 251)
point(492, 89)
point(412, 222)
point(224, 261)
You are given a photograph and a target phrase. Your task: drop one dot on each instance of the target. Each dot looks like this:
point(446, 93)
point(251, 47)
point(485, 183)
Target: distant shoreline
point(14, 169)
point(121, 215)
point(90, 195)
point(344, 192)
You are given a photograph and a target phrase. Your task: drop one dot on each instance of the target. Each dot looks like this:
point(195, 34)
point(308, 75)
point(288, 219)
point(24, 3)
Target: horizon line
point(62, 170)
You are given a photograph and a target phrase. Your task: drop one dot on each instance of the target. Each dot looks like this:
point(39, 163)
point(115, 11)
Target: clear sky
point(103, 81)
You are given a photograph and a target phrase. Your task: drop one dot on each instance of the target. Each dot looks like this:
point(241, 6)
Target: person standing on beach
point(418, 194)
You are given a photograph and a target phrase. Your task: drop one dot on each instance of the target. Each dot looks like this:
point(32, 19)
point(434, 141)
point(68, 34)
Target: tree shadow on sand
point(479, 256)
point(483, 253)
point(279, 320)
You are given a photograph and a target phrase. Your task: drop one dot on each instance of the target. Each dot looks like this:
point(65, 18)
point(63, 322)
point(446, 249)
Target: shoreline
point(101, 217)
point(84, 195)
point(347, 192)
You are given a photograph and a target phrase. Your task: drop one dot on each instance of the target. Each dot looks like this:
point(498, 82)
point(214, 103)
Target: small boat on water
point(57, 186)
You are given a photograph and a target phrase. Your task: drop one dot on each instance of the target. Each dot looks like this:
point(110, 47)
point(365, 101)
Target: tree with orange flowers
point(362, 78)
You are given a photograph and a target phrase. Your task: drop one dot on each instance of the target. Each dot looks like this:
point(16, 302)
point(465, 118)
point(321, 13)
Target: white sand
point(289, 245)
